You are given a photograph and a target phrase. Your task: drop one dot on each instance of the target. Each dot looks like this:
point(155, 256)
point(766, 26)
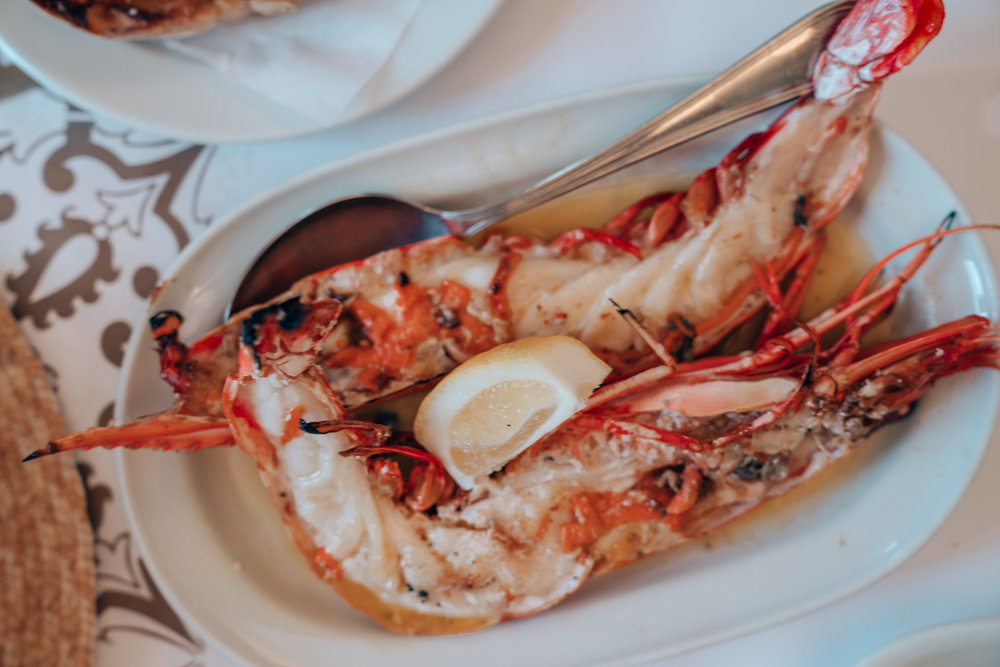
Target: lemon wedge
point(497, 404)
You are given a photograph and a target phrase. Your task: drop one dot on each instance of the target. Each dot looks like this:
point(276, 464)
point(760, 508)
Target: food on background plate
point(152, 19)
point(679, 441)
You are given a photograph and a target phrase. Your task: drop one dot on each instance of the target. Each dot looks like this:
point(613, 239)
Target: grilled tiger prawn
point(677, 446)
point(655, 459)
point(682, 262)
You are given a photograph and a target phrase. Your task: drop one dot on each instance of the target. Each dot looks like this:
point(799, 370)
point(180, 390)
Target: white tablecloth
point(92, 214)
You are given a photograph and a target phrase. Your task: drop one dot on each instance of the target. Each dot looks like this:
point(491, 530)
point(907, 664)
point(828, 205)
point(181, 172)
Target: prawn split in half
point(680, 442)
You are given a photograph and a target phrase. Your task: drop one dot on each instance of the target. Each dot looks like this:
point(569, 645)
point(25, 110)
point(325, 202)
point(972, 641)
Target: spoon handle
point(775, 73)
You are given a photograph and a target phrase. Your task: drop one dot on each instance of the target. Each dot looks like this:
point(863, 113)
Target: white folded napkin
point(315, 60)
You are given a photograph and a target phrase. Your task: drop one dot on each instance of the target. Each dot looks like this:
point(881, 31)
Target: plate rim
point(284, 123)
point(902, 646)
point(984, 263)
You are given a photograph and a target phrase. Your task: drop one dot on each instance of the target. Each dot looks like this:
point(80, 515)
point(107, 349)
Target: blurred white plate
point(971, 643)
point(143, 85)
point(219, 550)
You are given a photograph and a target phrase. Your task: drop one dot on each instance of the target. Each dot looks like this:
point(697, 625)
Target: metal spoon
point(364, 224)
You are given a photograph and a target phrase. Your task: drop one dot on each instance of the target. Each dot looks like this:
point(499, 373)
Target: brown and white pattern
point(90, 218)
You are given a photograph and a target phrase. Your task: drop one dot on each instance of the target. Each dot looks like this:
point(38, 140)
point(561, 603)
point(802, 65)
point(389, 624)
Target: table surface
point(69, 178)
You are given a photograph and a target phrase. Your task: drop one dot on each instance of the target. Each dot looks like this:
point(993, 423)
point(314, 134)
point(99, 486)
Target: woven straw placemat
point(47, 602)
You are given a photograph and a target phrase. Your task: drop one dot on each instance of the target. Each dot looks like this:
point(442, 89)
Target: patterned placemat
point(91, 215)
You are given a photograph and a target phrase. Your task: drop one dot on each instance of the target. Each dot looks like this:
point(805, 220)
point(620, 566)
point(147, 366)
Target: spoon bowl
point(354, 227)
point(341, 231)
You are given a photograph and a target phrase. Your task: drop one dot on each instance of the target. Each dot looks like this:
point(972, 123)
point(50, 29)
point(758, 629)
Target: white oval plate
point(219, 550)
point(971, 643)
point(147, 87)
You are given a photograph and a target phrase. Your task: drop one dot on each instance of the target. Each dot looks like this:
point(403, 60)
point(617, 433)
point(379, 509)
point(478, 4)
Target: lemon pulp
point(497, 404)
point(498, 421)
